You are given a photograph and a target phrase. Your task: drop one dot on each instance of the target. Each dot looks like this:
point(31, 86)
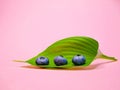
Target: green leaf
point(69, 47)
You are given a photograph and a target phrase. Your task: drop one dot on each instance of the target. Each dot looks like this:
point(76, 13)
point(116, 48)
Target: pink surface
point(29, 26)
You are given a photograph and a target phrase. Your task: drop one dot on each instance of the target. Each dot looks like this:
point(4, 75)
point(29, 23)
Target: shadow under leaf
point(91, 67)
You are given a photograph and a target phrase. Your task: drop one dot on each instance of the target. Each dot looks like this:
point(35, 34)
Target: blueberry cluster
point(60, 60)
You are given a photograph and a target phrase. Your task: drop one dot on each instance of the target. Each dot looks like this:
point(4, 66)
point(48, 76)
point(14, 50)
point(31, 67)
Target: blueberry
point(42, 61)
point(78, 60)
point(60, 60)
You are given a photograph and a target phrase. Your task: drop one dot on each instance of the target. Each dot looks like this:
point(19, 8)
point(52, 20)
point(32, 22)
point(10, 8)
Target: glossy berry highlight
point(60, 60)
point(42, 61)
point(78, 60)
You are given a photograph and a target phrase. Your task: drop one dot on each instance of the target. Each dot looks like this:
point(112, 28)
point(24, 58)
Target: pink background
point(29, 26)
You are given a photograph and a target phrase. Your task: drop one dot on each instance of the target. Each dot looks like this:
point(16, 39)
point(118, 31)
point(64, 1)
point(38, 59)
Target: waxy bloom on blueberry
point(42, 61)
point(79, 60)
point(60, 60)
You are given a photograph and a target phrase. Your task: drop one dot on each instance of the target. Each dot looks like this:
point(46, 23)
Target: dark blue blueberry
point(78, 60)
point(60, 60)
point(42, 61)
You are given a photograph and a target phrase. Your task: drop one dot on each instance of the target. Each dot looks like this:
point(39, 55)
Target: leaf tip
point(19, 61)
